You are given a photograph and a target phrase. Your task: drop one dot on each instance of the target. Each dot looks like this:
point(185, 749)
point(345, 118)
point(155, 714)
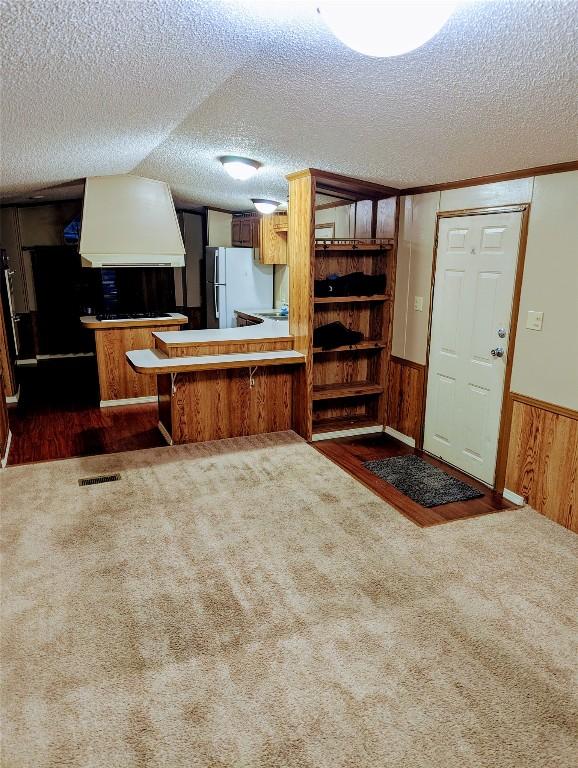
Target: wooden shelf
point(352, 244)
point(338, 423)
point(345, 389)
point(349, 299)
point(363, 345)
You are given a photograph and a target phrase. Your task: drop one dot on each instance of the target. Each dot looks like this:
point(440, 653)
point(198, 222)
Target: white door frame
point(507, 403)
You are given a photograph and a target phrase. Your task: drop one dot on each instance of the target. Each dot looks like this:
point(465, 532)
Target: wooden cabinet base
point(211, 405)
point(117, 380)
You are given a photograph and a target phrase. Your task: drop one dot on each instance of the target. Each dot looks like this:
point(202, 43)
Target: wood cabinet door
point(236, 233)
point(255, 237)
point(273, 244)
point(245, 233)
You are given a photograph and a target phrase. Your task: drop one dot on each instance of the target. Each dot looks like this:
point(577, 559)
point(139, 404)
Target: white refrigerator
point(234, 280)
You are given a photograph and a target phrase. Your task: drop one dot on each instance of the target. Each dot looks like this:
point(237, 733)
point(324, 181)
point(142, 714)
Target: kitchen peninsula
point(224, 382)
point(118, 383)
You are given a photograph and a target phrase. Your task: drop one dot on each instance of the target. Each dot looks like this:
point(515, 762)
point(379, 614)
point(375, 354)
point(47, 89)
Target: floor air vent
point(98, 479)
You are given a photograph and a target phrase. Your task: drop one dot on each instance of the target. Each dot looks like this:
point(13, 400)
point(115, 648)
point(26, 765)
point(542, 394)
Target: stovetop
point(131, 315)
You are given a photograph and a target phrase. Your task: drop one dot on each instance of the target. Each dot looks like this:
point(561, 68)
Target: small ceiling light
point(385, 27)
point(240, 168)
point(265, 206)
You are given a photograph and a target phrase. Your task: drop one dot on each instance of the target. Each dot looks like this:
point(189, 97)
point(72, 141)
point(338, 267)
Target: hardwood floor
point(58, 416)
point(351, 453)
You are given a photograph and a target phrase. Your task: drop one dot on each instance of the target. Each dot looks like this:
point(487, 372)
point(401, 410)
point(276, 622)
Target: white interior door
point(470, 332)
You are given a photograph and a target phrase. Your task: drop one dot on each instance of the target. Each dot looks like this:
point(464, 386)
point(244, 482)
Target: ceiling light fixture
point(240, 168)
point(265, 206)
point(385, 27)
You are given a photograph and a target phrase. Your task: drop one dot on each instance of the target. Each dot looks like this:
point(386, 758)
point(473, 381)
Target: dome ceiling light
point(240, 168)
point(265, 206)
point(385, 27)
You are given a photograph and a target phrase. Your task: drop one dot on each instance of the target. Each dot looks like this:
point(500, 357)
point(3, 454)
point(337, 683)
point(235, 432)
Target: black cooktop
point(131, 315)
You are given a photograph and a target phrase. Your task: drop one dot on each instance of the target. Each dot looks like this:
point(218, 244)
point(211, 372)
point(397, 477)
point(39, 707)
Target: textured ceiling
point(161, 88)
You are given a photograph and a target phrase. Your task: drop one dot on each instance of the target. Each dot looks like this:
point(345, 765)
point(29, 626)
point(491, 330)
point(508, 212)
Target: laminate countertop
point(154, 361)
point(268, 329)
point(174, 318)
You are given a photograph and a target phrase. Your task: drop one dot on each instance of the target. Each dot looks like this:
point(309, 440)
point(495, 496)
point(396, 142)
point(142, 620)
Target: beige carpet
point(247, 604)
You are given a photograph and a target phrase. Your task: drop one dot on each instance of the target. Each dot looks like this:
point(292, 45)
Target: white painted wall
point(546, 362)
point(339, 216)
point(219, 229)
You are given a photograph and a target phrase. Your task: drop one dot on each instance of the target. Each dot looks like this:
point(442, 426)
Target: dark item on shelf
point(354, 284)
point(335, 335)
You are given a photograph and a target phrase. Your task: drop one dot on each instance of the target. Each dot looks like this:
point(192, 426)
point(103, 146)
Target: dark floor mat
point(425, 484)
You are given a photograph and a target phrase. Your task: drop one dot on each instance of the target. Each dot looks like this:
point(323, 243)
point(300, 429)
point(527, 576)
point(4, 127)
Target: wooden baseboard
point(129, 401)
point(13, 399)
point(515, 498)
point(406, 439)
point(4, 460)
point(164, 432)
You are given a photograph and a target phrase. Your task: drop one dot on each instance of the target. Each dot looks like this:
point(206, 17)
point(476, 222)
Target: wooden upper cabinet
point(268, 234)
point(273, 239)
point(245, 232)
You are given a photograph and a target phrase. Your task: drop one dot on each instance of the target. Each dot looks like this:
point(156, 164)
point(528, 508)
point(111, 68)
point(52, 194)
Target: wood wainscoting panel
point(543, 459)
point(406, 398)
point(211, 405)
point(117, 379)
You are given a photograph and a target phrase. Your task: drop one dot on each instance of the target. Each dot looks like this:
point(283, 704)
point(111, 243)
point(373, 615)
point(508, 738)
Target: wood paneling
point(543, 459)
point(386, 212)
point(218, 404)
point(300, 255)
point(406, 398)
point(539, 170)
point(116, 378)
point(363, 218)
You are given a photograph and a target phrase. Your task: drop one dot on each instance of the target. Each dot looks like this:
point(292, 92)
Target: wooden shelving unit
point(349, 299)
point(343, 388)
point(330, 245)
point(339, 423)
point(363, 345)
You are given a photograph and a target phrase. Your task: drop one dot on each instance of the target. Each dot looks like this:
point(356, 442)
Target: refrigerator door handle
point(216, 297)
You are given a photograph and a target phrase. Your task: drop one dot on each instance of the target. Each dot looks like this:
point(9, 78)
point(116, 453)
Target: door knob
point(497, 352)
point(502, 333)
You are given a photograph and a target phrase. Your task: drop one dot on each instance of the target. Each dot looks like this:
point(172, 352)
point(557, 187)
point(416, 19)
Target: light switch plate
point(418, 303)
point(534, 320)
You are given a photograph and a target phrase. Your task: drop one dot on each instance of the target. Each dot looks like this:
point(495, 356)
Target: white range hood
point(129, 221)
